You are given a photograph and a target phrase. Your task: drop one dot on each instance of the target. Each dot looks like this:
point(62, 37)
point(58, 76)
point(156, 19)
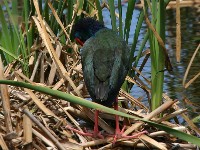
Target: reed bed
point(38, 121)
point(32, 120)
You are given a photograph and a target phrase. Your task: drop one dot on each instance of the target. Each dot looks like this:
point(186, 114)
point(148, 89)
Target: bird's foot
point(120, 135)
point(94, 134)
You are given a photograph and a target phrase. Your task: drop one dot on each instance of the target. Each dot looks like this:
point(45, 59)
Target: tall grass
point(23, 39)
point(157, 55)
point(16, 42)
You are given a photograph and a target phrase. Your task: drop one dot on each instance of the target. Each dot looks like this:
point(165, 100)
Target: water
point(190, 29)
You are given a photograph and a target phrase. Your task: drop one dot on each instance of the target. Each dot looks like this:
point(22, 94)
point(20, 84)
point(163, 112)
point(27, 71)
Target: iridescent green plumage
point(105, 61)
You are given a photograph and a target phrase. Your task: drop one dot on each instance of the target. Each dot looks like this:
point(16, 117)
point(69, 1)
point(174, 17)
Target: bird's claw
point(120, 135)
point(86, 133)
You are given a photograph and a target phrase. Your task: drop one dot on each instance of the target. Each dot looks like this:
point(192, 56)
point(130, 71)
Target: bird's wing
point(97, 61)
point(120, 67)
point(104, 64)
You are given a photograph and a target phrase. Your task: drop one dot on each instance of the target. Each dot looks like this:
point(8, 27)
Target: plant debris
point(32, 120)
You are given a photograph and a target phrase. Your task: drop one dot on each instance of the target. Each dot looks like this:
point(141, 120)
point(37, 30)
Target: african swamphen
point(105, 63)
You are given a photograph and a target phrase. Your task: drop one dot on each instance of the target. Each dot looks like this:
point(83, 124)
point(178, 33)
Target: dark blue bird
point(105, 62)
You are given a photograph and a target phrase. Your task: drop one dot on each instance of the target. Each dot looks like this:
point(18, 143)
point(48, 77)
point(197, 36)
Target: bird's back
point(105, 60)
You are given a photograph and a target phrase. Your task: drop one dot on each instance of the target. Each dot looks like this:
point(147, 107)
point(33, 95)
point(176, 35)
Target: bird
point(105, 59)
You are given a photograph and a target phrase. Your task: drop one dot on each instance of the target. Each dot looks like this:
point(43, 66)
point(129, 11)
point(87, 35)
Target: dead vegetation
point(32, 120)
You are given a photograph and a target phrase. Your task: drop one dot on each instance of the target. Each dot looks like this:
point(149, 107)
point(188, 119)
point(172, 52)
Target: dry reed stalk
point(178, 32)
point(59, 22)
point(161, 133)
point(58, 84)
point(20, 74)
point(186, 85)
point(77, 113)
point(161, 43)
point(27, 126)
point(132, 99)
point(58, 52)
point(9, 68)
point(140, 145)
point(143, 146)
point(152, 142)
point(138, 113)
point(185, 3)
point(43, 138)
point(45, 37)
point(5, 101)
point(73, 146)
point(36, 67)
point(20, 94)
point(37, 146)
point(53, 70)
point(140, 73)
point(71, 118)
point(185, 117)
point(154, 113)
point(98, 142)
point(45, 122)
point(108, 146)
point(42, 69)
point(54, 140)
point(174, 114)
point(192, 80)
point(39, 104)
point(3, 143)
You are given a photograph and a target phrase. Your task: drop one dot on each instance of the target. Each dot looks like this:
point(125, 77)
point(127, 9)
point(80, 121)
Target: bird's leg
point(96, 122)
point(118, 133)
point(117, 129)
point(95, 133)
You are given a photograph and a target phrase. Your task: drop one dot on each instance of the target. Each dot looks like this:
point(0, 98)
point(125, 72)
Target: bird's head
point(85, 28)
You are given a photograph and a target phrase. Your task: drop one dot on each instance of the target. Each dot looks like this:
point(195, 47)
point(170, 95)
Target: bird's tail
point(101, 92)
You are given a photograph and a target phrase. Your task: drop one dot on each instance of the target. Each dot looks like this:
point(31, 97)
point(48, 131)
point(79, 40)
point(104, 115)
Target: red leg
point(95, 133)
point(96, 122)
point(117, 129)
point(118, 133)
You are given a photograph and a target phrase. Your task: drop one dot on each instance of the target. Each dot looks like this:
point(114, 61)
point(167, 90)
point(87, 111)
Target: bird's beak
point(79, 41)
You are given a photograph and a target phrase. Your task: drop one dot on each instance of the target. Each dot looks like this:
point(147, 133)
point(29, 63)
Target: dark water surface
point(190, 29)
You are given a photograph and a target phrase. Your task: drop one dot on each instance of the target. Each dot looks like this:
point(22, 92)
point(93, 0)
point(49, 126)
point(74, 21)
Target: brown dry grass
point(31, 120)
